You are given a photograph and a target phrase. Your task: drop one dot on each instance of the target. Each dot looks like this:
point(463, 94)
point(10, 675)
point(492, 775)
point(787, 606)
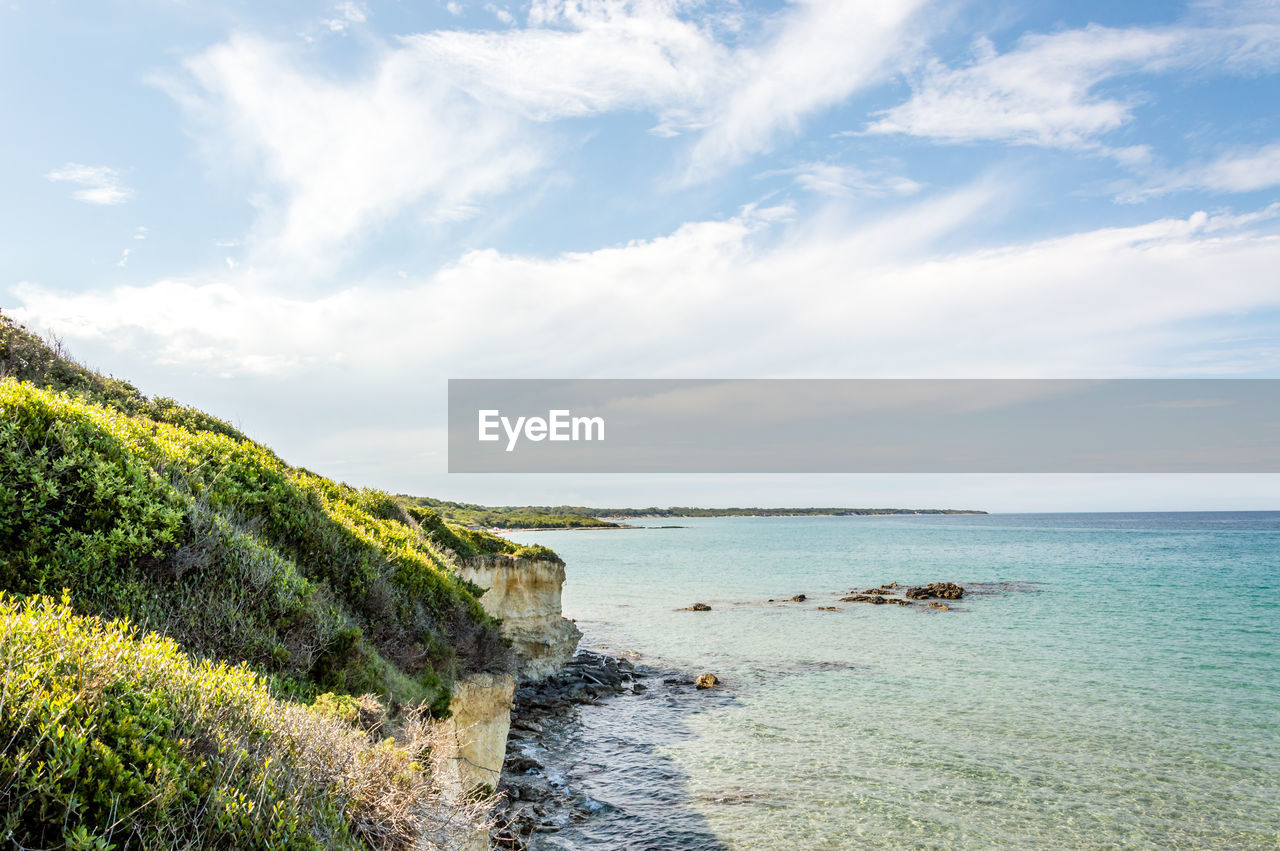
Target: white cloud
point(844, 181)
point(501, 14)
point(356, 13)
point(124, 259)
point(578, 58)
point(1047, 89)
point(582, 58)
point(347, 13)
point(454, 8)
point(348, 155)
point(1240, 170)
point(140, 232)
point(438, 124)
point(823, 51)
point(1041, 92)
point(738, 297)
point(100, 184)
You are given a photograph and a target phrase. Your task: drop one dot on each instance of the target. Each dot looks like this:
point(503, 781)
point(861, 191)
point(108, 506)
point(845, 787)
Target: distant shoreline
point(786, 512)
point(619, 522)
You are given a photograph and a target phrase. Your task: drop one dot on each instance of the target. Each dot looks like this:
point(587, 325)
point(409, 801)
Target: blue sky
point(306, 216)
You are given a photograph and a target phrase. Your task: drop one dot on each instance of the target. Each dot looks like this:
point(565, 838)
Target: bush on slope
point(112, 739)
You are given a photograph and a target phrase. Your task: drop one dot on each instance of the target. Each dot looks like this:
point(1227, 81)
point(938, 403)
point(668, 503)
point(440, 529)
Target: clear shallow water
point(1125, 693)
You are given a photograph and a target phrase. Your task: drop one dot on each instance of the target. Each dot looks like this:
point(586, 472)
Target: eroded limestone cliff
point(525, 593)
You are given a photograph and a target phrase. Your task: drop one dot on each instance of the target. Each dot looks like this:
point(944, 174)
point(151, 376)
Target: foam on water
point(1108, 680)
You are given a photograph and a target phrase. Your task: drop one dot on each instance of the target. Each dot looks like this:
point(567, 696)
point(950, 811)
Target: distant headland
point(585, 517)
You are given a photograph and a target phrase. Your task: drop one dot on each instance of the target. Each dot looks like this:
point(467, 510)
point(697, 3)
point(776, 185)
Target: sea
point(1106, 681)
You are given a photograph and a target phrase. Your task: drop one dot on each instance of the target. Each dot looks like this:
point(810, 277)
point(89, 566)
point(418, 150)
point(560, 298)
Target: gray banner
point(864, 426)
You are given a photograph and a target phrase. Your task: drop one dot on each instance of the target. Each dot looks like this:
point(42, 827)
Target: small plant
point(537, 552)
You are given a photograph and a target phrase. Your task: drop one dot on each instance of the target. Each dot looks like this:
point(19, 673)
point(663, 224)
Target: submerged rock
point(875, 599)
point(942, 590)
point(696, 607)
point(799, 598)
point(706, 681)
point(733, 796)
point(828, 608)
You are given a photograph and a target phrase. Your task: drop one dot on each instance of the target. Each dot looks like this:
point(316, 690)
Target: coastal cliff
point(524, 594)
point(318, 630)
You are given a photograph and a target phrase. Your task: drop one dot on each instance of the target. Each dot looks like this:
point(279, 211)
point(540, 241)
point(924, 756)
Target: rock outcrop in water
point(696, 607)
point(525, 594)
point(941, 590)
point(885, 594)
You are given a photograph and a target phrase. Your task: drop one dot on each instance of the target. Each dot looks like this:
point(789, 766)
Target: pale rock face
point(476, 732)
point(525, 594)
point(475, 741)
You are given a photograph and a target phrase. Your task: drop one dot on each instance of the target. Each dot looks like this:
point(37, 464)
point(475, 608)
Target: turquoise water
point(1122, 690)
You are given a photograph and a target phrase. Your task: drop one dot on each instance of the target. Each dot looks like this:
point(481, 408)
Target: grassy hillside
point(279, 585)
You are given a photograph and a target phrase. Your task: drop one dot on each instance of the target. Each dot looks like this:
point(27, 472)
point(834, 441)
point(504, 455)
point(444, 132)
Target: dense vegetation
point(282, 588)
point(112, 739)
point(149, 509)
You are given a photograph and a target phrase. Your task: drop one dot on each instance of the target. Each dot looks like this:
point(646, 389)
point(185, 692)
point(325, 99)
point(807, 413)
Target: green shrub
point(109, 738)
point(537, 551)
point(76, 505)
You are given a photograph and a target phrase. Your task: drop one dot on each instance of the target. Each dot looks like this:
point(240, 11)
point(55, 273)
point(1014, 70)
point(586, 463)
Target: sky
point(306, 217)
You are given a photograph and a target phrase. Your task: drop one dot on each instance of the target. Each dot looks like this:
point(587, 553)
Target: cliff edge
point(524, 594)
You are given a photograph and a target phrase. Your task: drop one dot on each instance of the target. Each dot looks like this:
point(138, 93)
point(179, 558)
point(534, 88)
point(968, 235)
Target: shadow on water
point(611, 752)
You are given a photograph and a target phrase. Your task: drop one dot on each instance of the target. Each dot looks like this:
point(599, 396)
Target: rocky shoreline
point(534, 800)
point(535, 796)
